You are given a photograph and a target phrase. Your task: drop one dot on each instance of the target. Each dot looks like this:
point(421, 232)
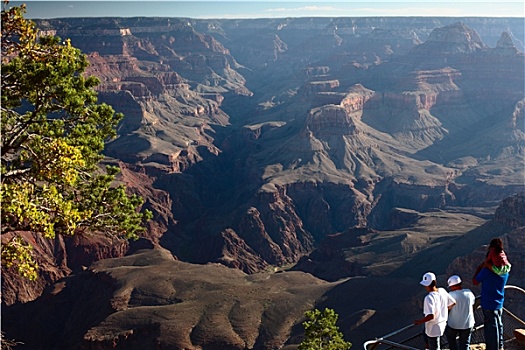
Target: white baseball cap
point(453, 280)
point(427, 279)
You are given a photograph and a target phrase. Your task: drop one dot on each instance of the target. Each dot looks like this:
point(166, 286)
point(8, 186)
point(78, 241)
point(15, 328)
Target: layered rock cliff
point(372, 149)
point(261, 151)
point(508, 224)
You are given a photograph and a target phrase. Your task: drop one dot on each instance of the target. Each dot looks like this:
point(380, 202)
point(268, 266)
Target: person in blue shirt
point(492, 297)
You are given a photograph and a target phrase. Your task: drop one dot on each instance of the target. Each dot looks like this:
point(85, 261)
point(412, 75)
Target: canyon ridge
point(290, 164)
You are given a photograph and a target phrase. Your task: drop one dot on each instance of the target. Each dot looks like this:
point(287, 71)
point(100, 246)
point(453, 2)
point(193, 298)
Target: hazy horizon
point(270, 9)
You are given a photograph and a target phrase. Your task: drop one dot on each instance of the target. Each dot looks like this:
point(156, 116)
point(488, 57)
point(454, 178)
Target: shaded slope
point(149, 300)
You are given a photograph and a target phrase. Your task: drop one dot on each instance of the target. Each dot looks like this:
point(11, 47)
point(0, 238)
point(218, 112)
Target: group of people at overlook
point(452, 313)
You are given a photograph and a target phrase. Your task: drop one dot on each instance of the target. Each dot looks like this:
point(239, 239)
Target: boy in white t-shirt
point(461, 317)
point(435, 308)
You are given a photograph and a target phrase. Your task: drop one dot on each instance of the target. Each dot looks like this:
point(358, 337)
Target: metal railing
point(411, 337)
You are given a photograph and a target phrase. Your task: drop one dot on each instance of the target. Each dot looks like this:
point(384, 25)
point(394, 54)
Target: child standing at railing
point(435, 308)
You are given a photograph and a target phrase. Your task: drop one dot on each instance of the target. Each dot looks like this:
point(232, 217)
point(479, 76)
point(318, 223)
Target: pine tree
point(53, 131)
point(321, 333)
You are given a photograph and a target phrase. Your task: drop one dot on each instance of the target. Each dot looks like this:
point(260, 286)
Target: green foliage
point(17, 253)
point(321, 333)
point(53, 132)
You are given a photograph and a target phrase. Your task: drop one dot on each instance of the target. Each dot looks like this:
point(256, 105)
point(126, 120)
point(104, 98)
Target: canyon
point(289, 163)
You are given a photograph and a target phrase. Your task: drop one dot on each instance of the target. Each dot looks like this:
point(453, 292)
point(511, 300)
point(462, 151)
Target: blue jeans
point(463, 342)
point(493, 329)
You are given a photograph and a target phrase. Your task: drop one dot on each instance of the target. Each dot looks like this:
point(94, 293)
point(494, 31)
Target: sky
point(271, 9)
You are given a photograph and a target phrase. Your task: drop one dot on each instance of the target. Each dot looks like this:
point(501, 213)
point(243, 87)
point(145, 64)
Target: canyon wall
point(253, 140)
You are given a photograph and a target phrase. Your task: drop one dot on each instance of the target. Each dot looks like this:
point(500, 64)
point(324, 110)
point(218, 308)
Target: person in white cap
point(435, 308)
point(461, 317)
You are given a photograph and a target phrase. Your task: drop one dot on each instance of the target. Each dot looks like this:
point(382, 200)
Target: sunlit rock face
point(262, 137)
point(317, 102)
point(360, 151)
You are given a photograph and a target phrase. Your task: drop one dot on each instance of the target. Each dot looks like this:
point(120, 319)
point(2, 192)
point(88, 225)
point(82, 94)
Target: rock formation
point(256, 141)
point(148, 300)
point(509, 224)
